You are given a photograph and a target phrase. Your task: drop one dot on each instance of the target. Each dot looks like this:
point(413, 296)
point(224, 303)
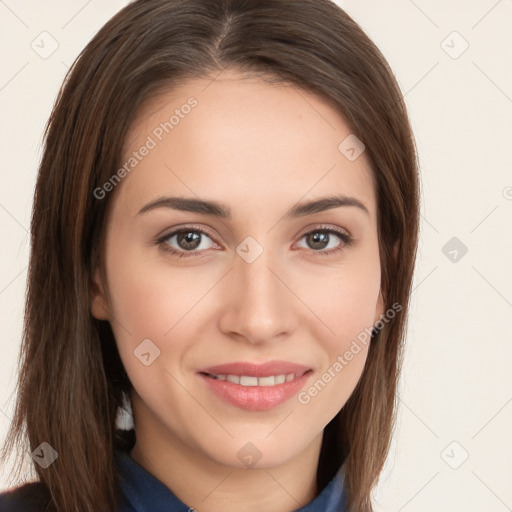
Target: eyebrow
point(301, 209)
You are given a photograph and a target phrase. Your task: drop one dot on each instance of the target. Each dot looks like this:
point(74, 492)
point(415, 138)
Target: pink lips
point(257, 370)
point(255, 398)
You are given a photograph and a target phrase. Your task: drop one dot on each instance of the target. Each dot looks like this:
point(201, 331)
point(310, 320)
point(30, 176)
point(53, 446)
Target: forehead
point(242, 136)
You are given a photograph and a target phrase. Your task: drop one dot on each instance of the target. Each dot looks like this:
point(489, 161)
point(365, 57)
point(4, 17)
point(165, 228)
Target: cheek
point(333, 385)
point(344, 297)
point(345, 305)
point(349, 314)
point(150, 299)
point(156, 303)
point(348, 308)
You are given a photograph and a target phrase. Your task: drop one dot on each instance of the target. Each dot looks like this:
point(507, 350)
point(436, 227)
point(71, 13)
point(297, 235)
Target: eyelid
point(324, 227)
point(167, 233)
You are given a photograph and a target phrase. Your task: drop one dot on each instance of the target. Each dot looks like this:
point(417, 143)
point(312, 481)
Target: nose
point(257, 306)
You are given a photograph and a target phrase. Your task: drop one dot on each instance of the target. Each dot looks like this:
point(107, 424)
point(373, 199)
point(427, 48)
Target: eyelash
point(346, 241)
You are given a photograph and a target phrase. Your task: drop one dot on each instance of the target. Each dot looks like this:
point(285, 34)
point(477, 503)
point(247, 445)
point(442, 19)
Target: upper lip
point(257, 370)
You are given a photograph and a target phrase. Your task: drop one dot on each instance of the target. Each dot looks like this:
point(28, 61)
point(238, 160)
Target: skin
point(258, 148)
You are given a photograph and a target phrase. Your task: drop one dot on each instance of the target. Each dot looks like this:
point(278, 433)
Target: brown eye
point(318, 240)
point(186, 240)
point(326, 241)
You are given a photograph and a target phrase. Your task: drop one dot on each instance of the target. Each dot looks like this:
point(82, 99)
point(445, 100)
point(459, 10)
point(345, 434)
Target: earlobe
point(99, 304)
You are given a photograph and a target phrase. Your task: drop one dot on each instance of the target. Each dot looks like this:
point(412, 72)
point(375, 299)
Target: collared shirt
point(145, 493)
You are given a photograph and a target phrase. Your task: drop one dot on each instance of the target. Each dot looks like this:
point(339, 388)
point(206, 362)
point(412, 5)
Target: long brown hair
point(71, 380)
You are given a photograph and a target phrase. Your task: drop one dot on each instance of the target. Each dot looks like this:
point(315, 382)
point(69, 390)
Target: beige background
point(456, 393)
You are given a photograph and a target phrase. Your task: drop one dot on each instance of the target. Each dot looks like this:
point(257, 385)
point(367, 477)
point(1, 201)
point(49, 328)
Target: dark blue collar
point(145, 493)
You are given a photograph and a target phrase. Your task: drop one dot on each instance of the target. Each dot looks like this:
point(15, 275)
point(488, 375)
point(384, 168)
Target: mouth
point(256, 387)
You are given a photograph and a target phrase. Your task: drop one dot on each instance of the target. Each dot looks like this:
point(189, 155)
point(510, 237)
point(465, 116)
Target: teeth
point(248, 381)
point(267, 381)
point(245, 380)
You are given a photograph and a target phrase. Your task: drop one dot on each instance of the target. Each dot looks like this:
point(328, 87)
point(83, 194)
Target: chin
point(256, 452)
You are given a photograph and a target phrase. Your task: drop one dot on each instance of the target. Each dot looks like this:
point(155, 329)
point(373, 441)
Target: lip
point(255, 398)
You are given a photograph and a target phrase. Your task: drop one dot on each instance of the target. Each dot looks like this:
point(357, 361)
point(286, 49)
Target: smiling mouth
point(261, 390)
point(256, 386)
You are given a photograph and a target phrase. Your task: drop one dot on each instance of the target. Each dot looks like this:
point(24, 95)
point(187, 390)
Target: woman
point(223, 238)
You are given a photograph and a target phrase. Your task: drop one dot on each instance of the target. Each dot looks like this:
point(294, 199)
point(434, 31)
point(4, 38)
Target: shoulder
point(29, 497)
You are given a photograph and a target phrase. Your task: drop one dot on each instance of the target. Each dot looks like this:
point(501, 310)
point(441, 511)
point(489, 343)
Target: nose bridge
point(257, 280)
point(252, 266)
point(260, 307)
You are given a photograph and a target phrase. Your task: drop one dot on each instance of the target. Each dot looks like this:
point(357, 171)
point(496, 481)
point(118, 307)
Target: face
point(239, 270)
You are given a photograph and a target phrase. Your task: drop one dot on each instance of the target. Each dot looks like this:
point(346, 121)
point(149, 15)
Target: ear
point(99, 303)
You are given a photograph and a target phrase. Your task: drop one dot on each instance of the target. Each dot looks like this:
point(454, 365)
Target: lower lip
point(255, 398)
